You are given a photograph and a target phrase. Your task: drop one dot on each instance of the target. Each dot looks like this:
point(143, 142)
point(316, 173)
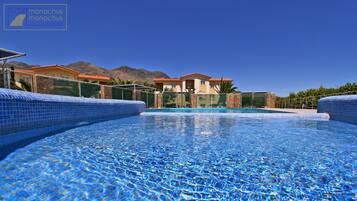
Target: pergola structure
point(5, 55)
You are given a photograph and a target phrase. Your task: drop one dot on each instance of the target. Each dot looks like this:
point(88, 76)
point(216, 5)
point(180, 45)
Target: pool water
point(187, 157)
point(213, 110)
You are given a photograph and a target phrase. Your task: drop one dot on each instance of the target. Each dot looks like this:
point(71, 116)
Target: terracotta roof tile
point(96, 77)
point(24, 71)
point(166, 79)
point(219, 79)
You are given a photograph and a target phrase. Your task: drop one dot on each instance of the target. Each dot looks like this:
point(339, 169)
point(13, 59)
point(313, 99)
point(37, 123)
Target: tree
point(310, 97)
point(226, 87)
point(117, 81)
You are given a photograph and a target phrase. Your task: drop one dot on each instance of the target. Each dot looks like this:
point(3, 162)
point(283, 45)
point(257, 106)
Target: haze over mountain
point(139, 75)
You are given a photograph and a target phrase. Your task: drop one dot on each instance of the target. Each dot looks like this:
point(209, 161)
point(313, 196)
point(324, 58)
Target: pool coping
point(307, 116)
point(292, 110)
point(340, 108)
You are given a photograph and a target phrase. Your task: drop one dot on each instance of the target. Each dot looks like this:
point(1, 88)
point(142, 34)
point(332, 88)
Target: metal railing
point(69, 87)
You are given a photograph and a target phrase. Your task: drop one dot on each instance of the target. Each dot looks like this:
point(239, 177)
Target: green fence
point(90, 90)
point(169, 100)
point(219, 100)
point(211, 100)
point(256, 100)
point(148, 98)
point(185, 100)
point(64, 87)
point(61, 86)
point(122, 94)
point(176, 100)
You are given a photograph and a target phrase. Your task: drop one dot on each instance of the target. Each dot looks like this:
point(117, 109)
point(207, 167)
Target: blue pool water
point(187, 157)
point(213, 110)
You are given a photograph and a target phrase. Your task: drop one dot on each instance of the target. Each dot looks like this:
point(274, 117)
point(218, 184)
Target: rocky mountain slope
point(138, 75)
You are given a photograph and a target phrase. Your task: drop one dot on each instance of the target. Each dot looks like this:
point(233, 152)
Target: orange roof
point(82, 76)
point(30, 72)
point(94, 77)
point(164, 79)
point(219, 79)
point(192, 75)
point(195, 75)
point(44, 68)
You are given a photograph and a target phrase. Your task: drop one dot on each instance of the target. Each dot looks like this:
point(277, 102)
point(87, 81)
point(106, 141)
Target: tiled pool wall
point(25, 115)
point(340, 108)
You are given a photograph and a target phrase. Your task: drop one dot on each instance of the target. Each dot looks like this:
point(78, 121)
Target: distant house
point(196, 83)
point(60, 72)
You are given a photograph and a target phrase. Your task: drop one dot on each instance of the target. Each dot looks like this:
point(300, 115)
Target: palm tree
point(117, 81)
point(146, 83)
point(226, 87)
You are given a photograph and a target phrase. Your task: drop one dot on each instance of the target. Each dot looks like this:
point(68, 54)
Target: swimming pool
point(174, 157)
point(213, 110)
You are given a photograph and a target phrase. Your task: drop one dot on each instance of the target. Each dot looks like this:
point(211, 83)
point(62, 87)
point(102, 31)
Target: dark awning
point(9, 54)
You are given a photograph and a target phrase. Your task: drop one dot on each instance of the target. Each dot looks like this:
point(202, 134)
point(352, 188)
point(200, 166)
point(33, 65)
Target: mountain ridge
point(137, 75)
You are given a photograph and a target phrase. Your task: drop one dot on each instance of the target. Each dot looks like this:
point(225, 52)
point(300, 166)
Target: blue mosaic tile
point(340, 108)
point(24, 111)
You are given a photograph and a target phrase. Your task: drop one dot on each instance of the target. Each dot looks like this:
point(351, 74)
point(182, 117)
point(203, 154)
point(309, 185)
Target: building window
point(190, 84)
point(203, 82)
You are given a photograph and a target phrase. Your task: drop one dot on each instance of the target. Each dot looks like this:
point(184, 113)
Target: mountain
point(128, 73)
point(139, 75)
point(124, 72)
point(20, 65)
point(88, 68)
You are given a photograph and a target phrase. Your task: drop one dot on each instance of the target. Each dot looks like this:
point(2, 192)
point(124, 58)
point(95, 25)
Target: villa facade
point(196, 82)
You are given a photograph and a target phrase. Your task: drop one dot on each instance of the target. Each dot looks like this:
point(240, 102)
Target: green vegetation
point(309, 98)
point(226, 88)
point(322, 91)
point(117, 81)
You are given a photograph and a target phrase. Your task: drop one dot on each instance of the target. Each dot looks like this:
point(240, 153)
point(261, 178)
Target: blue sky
point(278, 45)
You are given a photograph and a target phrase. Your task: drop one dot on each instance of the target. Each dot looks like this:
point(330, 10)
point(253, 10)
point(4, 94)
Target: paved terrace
point(298, 111)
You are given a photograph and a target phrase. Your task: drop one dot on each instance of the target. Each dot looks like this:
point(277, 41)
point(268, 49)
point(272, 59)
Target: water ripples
point(187, 158)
